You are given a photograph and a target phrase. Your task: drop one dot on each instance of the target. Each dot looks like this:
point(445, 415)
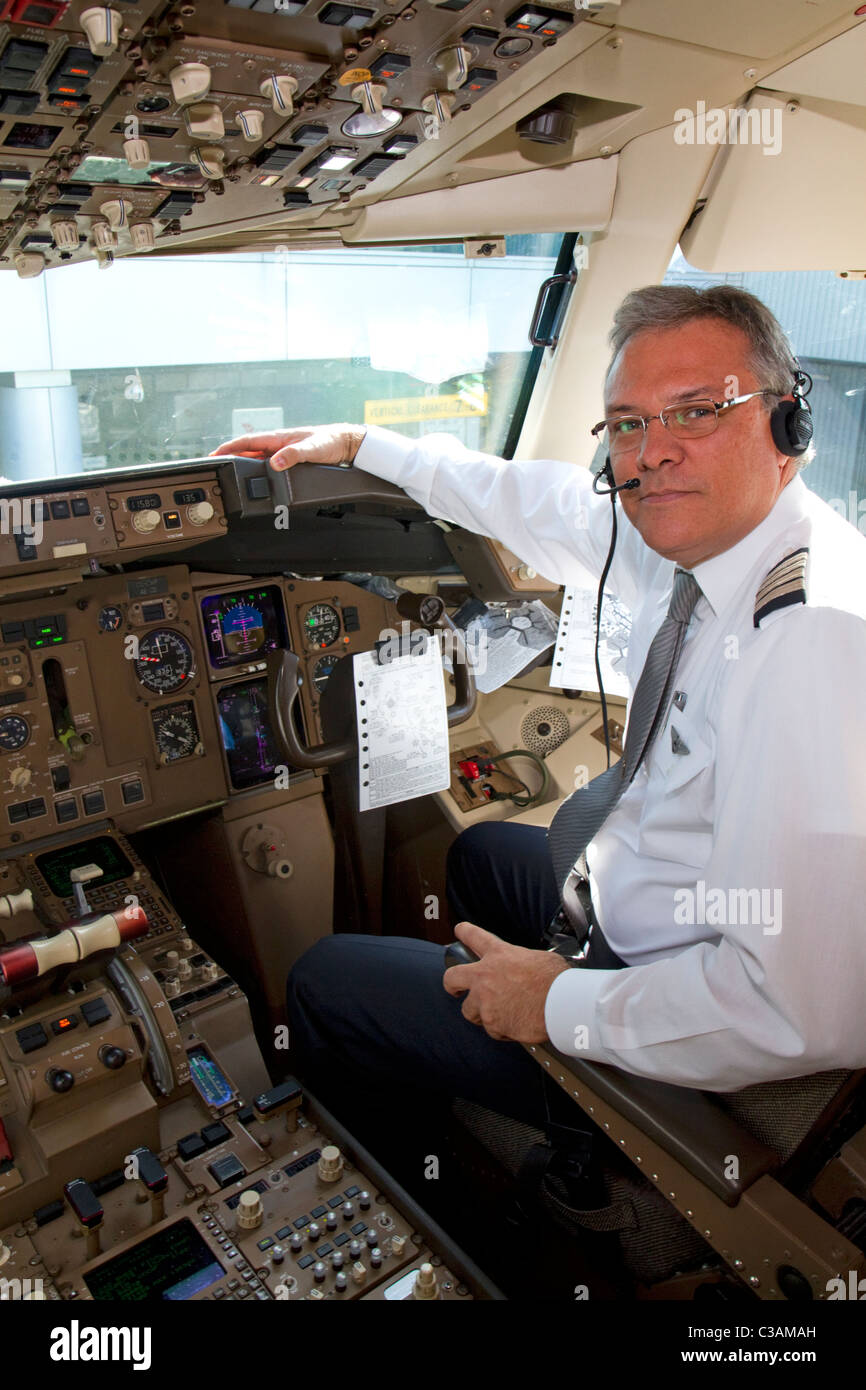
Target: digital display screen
point(57, 865)
point(243, 626)
point(245, 729)
point(25, 135)
point(174, 1264)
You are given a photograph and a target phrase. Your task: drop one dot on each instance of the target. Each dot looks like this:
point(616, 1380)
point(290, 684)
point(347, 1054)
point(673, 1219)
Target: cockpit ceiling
point(240, 122)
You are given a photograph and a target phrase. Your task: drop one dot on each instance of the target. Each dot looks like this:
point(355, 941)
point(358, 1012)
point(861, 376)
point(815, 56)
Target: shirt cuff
point(384, 453)
point(570, 1012)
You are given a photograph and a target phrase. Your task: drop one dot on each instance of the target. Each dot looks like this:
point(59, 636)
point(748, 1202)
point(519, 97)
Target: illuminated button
point(65, 1024)
point(227, 1170)
point(66, 103)
point(345, 16)
point(36, 807)
point(66, 810)
point(295, 198)
point(60, 510)
point(171, 520)
point(67, 83)
point(93, 803)
point(480, 36)
point(80, 506)
point(334, 158)
point(390, 65)
point(534, 20)
point(78, 62)
point(309, 134)
point(479, 78)
point(401, 145)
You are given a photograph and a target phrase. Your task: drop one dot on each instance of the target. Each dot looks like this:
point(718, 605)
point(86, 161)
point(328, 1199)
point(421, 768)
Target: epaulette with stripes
point(784, 585)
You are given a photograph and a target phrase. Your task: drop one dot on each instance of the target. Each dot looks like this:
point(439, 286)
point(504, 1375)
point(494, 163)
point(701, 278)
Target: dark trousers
point(373, 1031)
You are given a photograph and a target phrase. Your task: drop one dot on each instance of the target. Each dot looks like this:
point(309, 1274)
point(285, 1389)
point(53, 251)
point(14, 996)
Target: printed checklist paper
point(402, 726)
point(574, 655)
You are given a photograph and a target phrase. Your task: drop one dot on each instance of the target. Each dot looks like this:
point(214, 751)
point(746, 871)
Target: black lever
point(458, 954)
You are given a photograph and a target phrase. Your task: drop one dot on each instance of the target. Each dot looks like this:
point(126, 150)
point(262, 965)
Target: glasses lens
point(624, 434)
point(692, 419)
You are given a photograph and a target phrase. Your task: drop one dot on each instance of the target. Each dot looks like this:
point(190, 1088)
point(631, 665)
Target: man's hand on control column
point(309, 444)
point(507, 986)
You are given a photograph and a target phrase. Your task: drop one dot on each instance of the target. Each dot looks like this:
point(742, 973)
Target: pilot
point(725, 867)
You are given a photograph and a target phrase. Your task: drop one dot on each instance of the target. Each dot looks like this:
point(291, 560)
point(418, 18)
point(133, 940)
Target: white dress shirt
point(730, 877)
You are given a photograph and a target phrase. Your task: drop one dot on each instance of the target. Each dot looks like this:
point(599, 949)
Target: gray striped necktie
point(585, 811)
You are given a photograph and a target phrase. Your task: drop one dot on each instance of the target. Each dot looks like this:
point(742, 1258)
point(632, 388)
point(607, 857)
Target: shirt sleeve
point(544, 510)
point(777, 991)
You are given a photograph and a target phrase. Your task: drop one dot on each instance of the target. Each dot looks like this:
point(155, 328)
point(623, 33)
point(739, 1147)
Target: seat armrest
point(688, 1124)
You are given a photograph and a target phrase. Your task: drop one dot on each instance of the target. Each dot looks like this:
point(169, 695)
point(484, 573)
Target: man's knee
point(472, 848)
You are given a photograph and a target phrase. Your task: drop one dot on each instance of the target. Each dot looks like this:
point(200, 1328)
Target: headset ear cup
point(791, 426)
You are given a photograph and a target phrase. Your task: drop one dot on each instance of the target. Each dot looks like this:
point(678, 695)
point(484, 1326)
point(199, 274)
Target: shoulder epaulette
point(784, 585)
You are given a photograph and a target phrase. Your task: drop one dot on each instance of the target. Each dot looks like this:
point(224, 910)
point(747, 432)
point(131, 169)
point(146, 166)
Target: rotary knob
point(65, 234)
point(184, 969)
point(250, 1210)
point(279, 91)
point(143, 235)
point(59, 1079)
point(136, 153)
point(145, 521)
point(190, 82)
point(209, 971)
point(200, 513)
point(438, 105)
point(112, 1057)
point(102, 27)
point(20, 777)
point(171, 987)
point(426, 1285)
point(454, 64)
point(330, 1165)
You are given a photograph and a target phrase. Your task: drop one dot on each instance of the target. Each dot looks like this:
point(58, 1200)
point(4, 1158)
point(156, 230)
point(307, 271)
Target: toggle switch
point(190, 82)
point(210, 159)
point(279, 91)
point(102, 27)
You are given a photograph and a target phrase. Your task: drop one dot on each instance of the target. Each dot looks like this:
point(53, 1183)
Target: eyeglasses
point(689, 420)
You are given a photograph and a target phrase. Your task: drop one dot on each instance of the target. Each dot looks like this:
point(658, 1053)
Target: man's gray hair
point(670, 306)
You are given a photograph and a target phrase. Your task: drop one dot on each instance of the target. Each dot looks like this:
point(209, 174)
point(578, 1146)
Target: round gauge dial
point(165, 661)
point(14, 732)
point(322, 625)
point(109, 619)
point(322, 670)
point(176, 734)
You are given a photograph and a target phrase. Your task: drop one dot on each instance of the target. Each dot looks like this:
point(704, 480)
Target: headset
point(791, 426)
point(791, 423)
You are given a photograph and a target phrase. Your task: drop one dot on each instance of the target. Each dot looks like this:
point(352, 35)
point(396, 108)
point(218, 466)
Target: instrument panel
point(114, 688)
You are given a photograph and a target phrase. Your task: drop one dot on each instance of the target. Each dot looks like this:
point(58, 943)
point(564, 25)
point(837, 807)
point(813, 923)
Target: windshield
point(161, 359)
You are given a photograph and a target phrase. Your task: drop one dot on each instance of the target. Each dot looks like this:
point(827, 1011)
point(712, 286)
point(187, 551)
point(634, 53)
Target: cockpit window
point(157, 359)
point(824, 315)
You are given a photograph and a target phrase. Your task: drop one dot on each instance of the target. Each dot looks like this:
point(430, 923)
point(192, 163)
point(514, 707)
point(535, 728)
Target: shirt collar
point(721, 577)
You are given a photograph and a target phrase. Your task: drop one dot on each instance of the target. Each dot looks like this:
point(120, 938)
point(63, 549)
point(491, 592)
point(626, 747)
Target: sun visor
point(786, 191)
point(567, 198)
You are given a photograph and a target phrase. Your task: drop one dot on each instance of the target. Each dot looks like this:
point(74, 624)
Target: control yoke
point(427, 610)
